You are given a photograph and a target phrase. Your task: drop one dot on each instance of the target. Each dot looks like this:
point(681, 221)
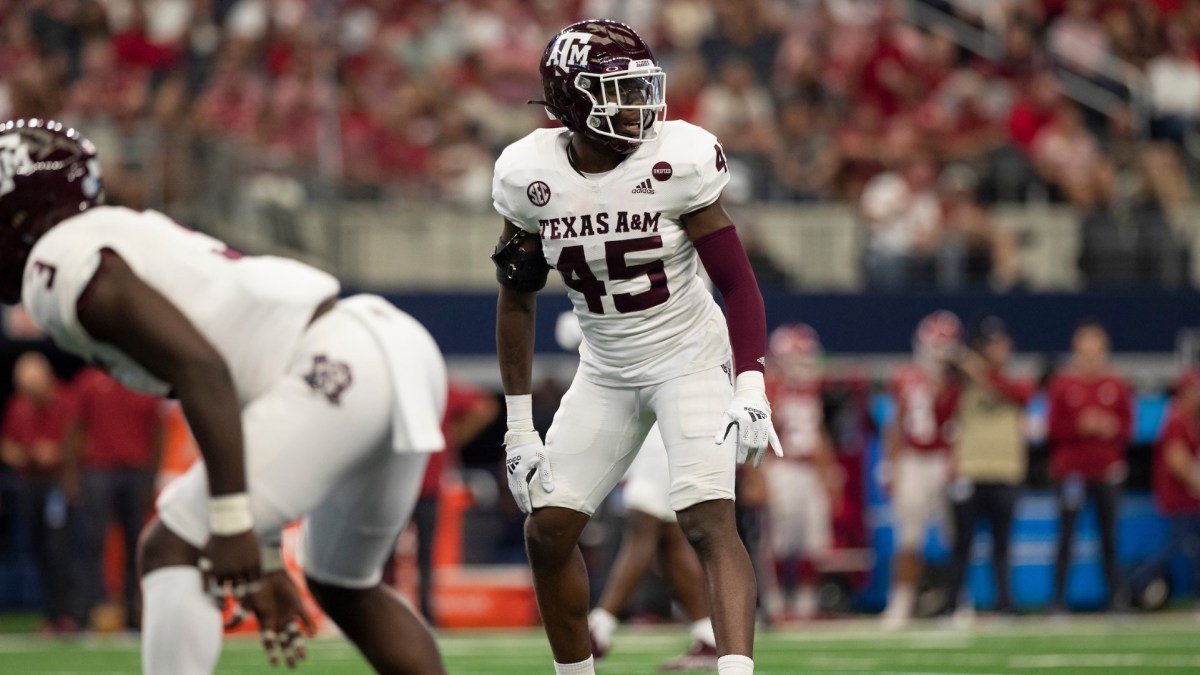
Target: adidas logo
point(643, 188)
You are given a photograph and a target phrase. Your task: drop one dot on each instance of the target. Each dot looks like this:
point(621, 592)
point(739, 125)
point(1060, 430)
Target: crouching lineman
point(295, 398)
point(626, 206)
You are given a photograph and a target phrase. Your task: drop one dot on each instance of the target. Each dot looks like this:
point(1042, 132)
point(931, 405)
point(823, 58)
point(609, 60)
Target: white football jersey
point(619, 243)
point(252, 309)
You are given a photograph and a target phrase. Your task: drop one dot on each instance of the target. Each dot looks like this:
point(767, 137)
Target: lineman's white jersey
point(252, 309)
point(619, 243)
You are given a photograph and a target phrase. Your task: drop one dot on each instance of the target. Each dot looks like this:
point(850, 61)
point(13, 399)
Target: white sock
point(901, 600)
point(603, 625)
point(735, 664)
point(587, 667)
point(702, 631)
point(181, 625)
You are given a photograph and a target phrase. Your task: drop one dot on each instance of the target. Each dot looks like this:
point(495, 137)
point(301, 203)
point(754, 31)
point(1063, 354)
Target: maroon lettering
point(577, 275)
point(650, 222)
point(585, 226)
point(622, 222)
point(47, 270)
point(572, 264)
point(722, 165)
point(569, 227)
point(602, 223)
point(657, 294)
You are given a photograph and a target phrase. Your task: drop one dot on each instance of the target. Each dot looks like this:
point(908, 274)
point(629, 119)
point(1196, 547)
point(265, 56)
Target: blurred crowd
point(921, 121)
point(77, 458)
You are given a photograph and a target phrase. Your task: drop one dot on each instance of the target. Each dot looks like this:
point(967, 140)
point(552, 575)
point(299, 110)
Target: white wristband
point(750, 380)
point(520, 412)
point(230, 514)
point(271, 558)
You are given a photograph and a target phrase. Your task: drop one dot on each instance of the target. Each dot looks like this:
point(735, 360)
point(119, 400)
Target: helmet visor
point(627, 105)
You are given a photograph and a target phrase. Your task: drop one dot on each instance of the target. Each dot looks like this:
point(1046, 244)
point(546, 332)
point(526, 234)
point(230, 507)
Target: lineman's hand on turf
point(524, 455)
point(282, 619)
point(232, 564)
point(748, 421)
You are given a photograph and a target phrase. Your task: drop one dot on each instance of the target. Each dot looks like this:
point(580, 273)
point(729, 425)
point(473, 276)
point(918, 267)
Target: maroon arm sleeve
point(725, 261)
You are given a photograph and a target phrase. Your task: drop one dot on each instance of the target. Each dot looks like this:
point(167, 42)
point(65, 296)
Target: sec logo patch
point(662, 171)
point(538, 193)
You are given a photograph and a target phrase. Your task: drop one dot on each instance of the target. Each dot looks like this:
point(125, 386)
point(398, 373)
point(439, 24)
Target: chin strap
point(545, 106)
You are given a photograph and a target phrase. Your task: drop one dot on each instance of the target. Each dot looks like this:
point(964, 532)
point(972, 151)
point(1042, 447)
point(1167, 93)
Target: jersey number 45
point(572, 264)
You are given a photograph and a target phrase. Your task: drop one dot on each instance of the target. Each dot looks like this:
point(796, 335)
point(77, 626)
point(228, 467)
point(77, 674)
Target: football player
point(917, 446)
point(625, 205)
point(303, 405)
point(802, 487)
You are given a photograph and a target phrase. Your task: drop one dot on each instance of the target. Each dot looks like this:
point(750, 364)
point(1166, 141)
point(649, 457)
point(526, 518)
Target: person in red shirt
point(114, 446)
point(917, 447)
point(1090, 424)
point(1176, 482)
point(31, 442)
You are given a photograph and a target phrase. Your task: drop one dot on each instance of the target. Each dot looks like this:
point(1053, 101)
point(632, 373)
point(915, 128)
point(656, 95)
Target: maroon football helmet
point(600, 79)
point(48, 173)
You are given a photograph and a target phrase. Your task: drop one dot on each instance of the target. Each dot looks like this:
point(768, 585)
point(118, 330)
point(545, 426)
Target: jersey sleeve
point(710, 170)
point(59, 269)
point(507, 194)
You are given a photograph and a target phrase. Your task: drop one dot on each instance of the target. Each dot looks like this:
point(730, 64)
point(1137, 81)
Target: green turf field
point(1160, 644)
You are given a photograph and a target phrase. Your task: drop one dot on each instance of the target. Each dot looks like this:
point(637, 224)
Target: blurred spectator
point(989, 457)
point(184, 99)
point(1078, 39)
point(1176, 483)
point(113, 451)
point(1174, 87)
point(805, 160)
point(738, 110)
point(461, 163)
point(35, 421)
point(1033, 111)
point(1138, 241)
point(1068, 157)
point(905, 243)
point(744, 33)
point(988, 255)
point(688, 80)
point(1090, 424)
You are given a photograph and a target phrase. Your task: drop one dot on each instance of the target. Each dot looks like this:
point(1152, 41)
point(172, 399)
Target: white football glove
point(748, 417)
point(525, 454)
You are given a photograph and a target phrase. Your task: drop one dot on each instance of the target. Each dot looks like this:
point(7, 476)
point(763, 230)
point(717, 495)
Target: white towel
point(417, 368)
